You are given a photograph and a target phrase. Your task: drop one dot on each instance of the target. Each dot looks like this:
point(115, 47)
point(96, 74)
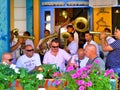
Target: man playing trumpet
point(113, 57)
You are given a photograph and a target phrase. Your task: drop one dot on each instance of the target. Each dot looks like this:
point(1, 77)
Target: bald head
point(7, 58)
point(90, 51)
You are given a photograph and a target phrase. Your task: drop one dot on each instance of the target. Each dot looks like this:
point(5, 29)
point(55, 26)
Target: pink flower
point(79, 72)
point(80, 82)
point(89, 83)
point(56, 74)
point(96, 61)
point(70, 68)
point(84, 75)
point(57, 82)
point(74, 75)
point(81, 88)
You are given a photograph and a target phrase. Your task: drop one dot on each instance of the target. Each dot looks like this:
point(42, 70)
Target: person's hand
point(20, 40)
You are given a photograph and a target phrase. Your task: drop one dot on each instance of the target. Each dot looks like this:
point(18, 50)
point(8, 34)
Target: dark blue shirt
point(113, 58)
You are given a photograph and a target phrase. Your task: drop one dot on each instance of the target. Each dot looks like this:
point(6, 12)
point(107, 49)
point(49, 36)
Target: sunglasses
point(10, 59)
point(30, 50)
point(55, 46)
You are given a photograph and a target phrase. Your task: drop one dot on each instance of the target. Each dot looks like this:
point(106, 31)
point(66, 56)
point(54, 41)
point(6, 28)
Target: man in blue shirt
point(113, 57)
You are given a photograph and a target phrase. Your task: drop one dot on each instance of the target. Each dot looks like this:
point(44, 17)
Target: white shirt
point(28, 63)
point(83, 62)
point(73, 47)
point(59, 59)
point(93, 42)
point(110, 40)
point(76, 37)
point(15, 53)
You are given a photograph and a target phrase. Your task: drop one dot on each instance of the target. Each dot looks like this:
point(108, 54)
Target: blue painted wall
point(4, 26)
point(29, 16)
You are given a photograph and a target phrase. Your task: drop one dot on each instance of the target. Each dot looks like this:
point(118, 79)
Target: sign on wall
point(102, 19)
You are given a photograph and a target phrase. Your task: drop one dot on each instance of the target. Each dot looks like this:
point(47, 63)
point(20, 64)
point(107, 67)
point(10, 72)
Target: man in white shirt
point(79, 60)
point(56, 55)
point(88, 38)
point(72, 46)
point(70, 29)
point(30, 60)
point(15, 46)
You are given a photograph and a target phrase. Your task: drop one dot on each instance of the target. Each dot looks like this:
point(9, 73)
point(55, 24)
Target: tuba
point(81, 24)
point(44, 45)
point(65, 36)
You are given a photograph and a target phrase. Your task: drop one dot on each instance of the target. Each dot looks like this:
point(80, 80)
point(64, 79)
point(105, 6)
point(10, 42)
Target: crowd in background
point(24, 54)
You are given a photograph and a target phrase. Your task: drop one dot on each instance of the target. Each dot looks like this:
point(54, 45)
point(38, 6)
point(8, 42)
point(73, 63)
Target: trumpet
point(26, 37)
point(92, 32)
point(15, 32)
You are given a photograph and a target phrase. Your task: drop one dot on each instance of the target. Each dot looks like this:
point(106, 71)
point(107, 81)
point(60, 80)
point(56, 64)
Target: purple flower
point(81, 88)
point(74, 75)
point(70, 68)
point(80, 82)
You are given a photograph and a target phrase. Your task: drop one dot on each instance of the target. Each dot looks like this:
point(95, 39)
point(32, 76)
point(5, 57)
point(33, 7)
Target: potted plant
point(88, 78)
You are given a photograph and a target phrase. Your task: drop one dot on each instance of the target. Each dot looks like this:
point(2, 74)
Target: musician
point(72, 46)
point(109, 38)
point(15, 46)
point(27, 40)
point(43, 46)
point(113, 57)
point(71, 29)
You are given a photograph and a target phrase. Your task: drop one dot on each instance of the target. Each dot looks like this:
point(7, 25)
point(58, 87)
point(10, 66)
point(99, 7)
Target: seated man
point(7, 58)
point(30, 60)
point(56, 55)
point(79, 60)
point(91, 53)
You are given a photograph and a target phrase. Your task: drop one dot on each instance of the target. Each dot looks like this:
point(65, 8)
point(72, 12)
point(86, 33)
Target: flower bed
point(88, 78)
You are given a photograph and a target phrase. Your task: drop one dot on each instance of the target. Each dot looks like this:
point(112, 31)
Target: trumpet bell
point(15, 31)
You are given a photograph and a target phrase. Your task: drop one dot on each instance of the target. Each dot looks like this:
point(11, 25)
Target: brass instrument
point(15, 32)
point(81, 24)
point(92, 32)
point(65, 36)
point(44, 46)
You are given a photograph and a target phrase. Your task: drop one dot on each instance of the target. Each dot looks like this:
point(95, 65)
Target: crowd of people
point(70, 55)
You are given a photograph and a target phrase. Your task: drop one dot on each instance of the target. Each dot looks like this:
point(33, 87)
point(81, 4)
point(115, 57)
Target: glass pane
point(47, 26)
point(47, 15)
